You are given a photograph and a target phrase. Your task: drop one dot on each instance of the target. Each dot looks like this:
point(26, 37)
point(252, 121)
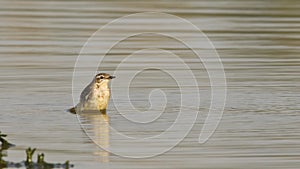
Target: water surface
point(258, 42)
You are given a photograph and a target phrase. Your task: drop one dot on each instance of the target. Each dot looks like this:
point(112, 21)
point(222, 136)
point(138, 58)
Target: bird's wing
point(86, 92)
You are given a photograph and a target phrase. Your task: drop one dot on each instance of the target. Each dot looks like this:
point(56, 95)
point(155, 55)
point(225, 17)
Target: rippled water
point(258, 42)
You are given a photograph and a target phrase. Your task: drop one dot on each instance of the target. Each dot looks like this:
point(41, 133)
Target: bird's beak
point(111, 77)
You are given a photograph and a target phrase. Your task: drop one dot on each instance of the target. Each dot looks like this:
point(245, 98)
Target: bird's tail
point(72, 110)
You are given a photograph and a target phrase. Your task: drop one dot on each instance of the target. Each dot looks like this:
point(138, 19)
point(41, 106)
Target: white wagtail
point(95, 96)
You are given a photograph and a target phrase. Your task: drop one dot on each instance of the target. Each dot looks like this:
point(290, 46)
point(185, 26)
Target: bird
point(95, 96)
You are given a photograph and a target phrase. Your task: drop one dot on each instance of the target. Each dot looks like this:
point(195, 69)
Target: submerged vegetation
point(28, 163)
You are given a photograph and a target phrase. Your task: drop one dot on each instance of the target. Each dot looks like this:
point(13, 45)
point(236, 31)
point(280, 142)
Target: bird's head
point(103, 78)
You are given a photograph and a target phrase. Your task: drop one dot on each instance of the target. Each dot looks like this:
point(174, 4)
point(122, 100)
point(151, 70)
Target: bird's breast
point(102, 99)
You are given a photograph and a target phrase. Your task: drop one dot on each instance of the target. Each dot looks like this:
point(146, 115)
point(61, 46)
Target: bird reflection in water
point(96, 125)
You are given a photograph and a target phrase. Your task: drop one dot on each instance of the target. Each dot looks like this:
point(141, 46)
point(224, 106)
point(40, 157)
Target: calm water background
point(258, 42)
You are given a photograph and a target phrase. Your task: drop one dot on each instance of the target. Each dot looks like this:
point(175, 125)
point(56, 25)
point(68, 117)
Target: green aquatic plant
point(4, 146)
point(40, 158)
point(3, 163)
point(41, 163)
point(29, 154)
point(4, 143)
point(28, 163)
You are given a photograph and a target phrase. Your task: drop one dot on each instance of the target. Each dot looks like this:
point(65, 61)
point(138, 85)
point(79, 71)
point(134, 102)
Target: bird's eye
point(101, 77)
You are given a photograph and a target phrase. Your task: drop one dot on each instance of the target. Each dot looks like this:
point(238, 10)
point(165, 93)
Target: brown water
point(258, 42)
